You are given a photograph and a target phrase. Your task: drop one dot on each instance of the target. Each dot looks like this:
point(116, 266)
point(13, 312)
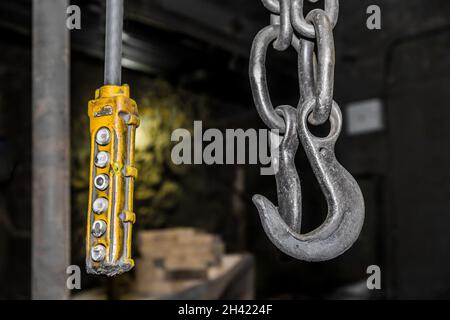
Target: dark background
point(202, 47)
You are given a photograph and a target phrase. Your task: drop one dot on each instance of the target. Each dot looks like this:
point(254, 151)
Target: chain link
point(323, 83)
point(299, 22)
point(284, 20)
point(258, 78)
point(305, 28)
point(345, 202)
point(315, 83)
point(272, 5)
point(345, 217)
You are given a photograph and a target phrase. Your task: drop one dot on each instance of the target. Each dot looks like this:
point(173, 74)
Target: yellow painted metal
point(113, 109)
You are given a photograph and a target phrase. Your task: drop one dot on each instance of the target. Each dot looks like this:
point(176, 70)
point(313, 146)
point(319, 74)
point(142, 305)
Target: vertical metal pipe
point(113, 46)
point(51, 148)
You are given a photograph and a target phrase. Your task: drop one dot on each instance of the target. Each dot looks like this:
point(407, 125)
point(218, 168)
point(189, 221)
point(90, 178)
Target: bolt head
point(101, 182)
point(102, 159)
point(100, 205)
point(98, 228)
point(98, 253)
point(103, 136)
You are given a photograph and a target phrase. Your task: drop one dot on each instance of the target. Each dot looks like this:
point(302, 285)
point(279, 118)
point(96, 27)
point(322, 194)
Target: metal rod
point(51, 150)
point(113, 46)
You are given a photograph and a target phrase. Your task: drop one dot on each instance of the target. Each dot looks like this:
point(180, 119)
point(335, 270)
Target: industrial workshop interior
point(258, 150)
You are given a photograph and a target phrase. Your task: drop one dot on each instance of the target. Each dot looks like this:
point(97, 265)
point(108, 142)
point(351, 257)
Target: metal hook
point(288, 182)
point(343, 195)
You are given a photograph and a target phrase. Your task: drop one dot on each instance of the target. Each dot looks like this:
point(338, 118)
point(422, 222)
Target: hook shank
point(343, 195)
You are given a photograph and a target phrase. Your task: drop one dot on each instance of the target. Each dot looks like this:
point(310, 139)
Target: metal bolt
point(102, 159)
point(101, 182)
point(103, 136)
point(98, 253)
point(100, 205)
point(99, 228)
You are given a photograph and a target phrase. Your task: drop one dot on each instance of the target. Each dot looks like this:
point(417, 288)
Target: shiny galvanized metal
point(344, 198)
point(345, 201)
point(299, 22)
point(324, 82)
point(303, 26)
point(284, 20)
point(258, 79)
point(272, 5)
point(288, 181)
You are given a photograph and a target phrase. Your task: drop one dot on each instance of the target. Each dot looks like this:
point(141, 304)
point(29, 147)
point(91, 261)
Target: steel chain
point(284, 20)
point(322, 84)
point(303, 26)
point(317, 85)
point(299, 22)
point(282, 223)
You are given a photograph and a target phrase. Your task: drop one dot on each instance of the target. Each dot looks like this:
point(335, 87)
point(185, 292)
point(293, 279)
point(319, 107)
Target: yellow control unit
point(113, 122)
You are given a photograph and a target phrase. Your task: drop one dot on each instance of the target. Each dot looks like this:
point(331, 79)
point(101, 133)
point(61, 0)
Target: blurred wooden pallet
point(233, 280)
point(186, 264)
point(182, 253)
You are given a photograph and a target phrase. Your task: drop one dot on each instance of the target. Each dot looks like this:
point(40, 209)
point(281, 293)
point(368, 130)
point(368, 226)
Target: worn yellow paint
point(113, 109)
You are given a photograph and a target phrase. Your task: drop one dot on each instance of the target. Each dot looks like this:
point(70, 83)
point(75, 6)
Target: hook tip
point(262, 203)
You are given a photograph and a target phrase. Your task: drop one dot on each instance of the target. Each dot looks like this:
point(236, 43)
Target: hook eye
point(335, 120)
point(345, 201)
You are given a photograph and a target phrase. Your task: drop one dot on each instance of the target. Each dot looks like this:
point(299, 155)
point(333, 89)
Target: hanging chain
point(304, 26)
point(323, 84)
point(287, 16)
point(289, 27)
